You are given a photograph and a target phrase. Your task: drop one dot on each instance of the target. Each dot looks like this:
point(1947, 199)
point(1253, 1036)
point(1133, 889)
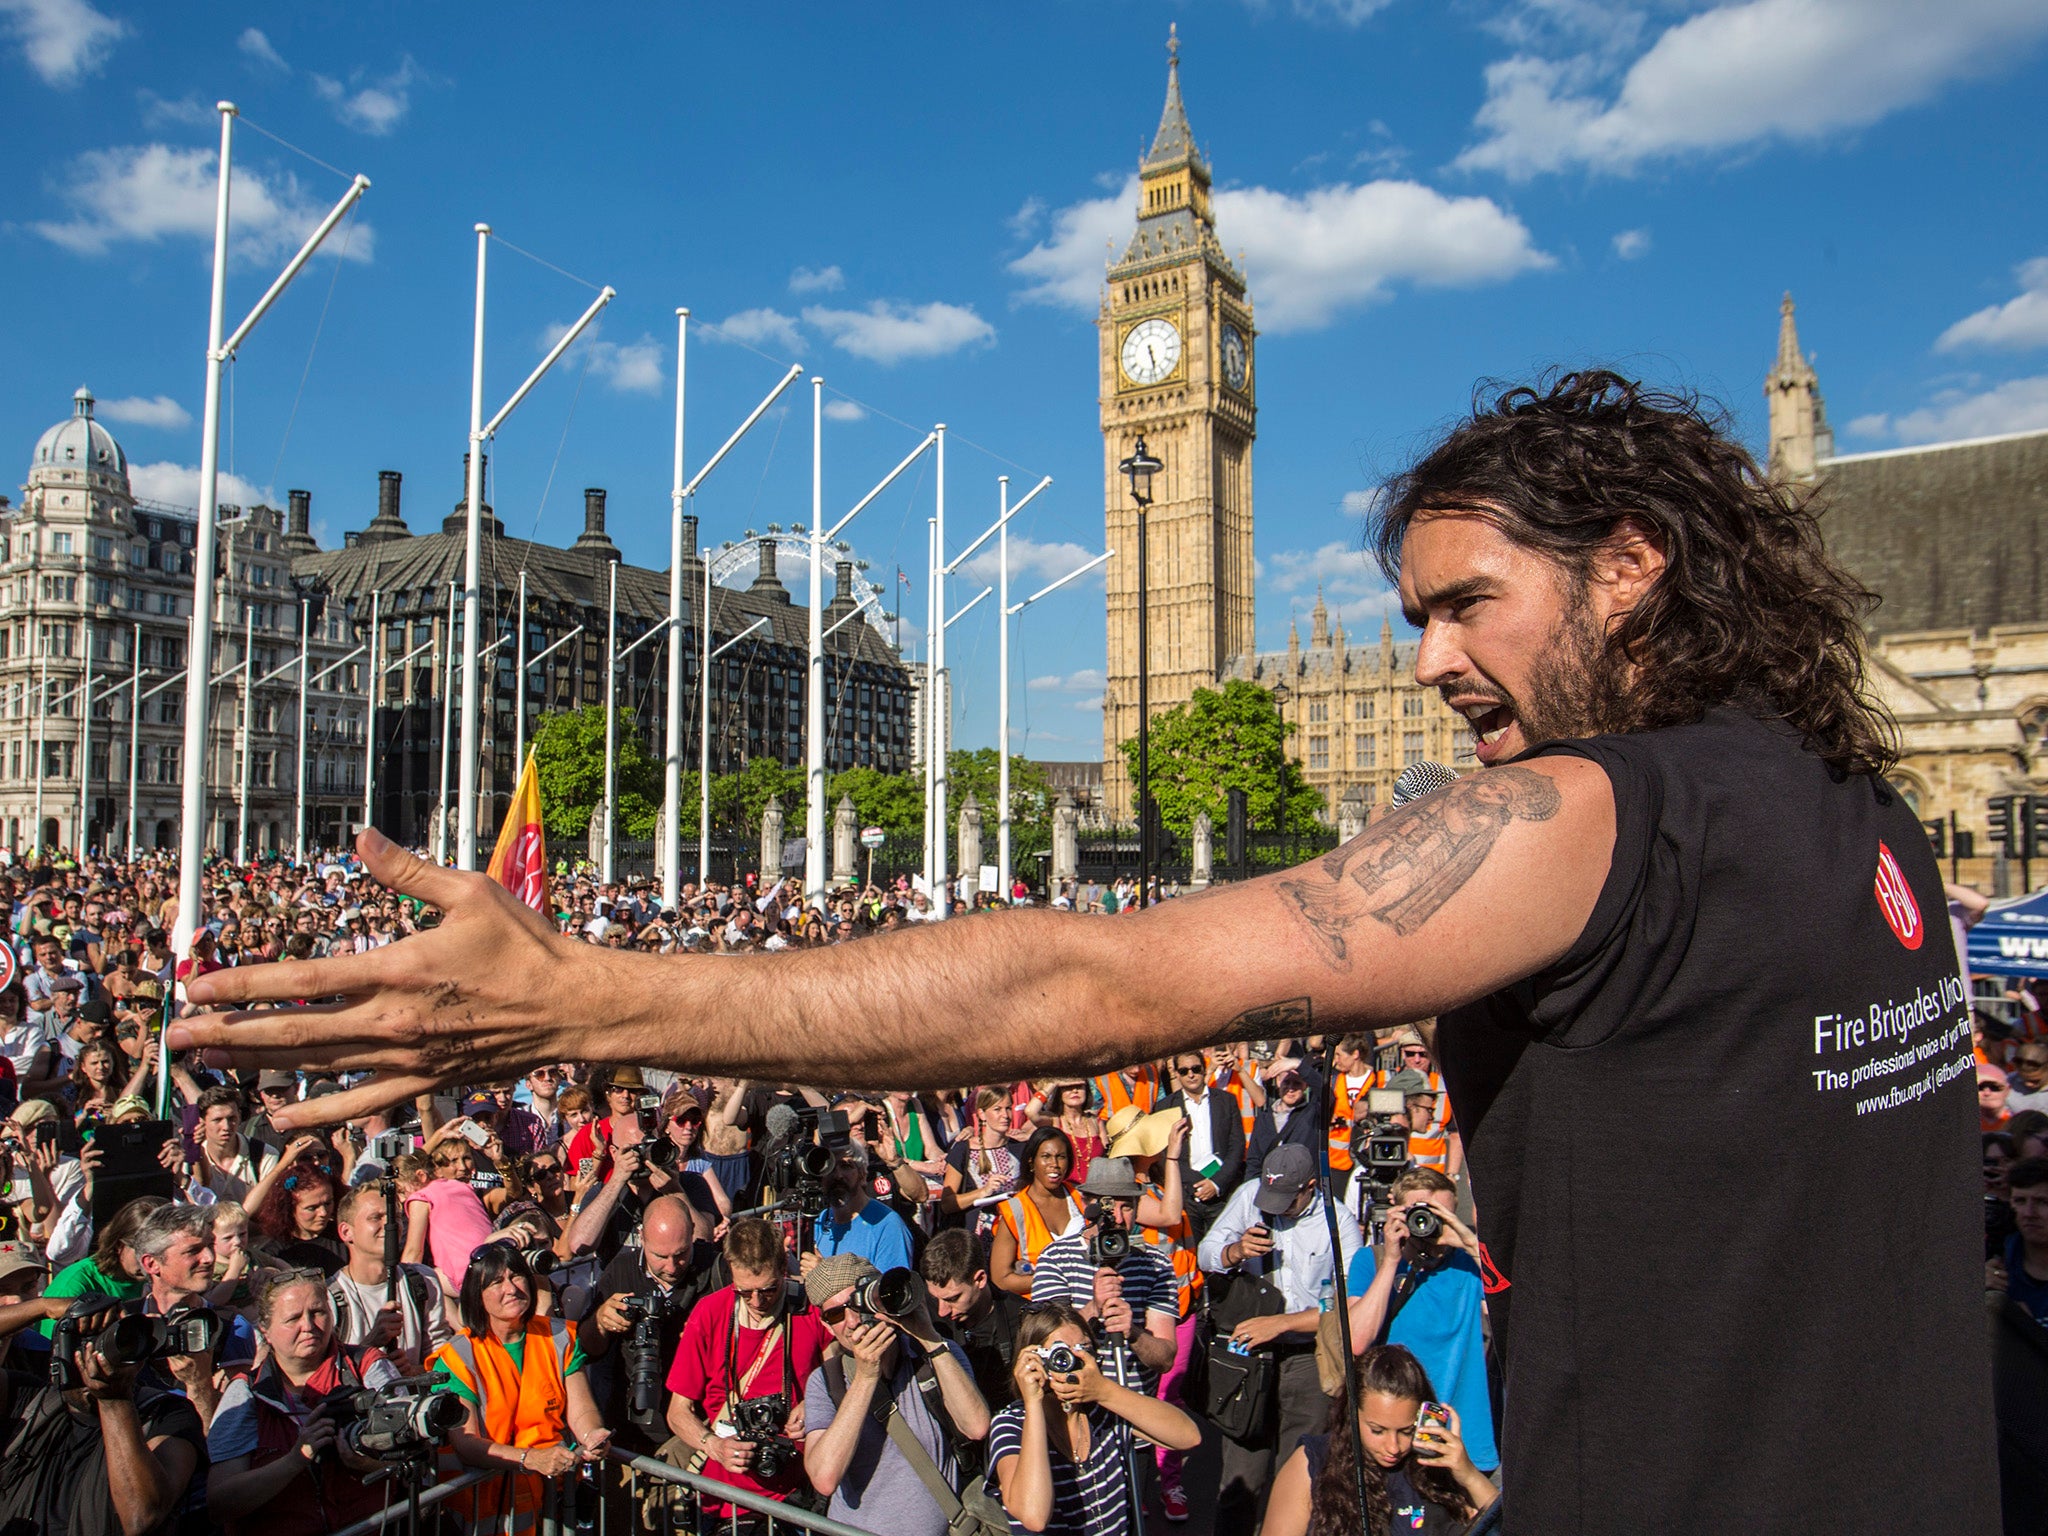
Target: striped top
point(1089, 1498)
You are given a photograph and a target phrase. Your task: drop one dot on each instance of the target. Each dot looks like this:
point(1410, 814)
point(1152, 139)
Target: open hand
point(478, 998)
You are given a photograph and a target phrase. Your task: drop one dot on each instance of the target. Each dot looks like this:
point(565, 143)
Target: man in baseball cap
point(23, 1275)
point(1274, 1236)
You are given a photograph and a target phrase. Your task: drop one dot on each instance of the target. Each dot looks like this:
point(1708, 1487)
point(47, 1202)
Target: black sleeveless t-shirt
point(1725, 1153)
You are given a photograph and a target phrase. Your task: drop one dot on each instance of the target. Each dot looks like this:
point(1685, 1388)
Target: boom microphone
point(1419, 779)
point(782, 1123)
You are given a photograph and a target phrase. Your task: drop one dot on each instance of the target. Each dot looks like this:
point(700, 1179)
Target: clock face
point(1233, 357)
point(1151, 351)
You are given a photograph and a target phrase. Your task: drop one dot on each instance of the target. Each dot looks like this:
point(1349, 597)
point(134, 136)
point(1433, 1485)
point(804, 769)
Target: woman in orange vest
point(522, 1380)
point(1045, 1208)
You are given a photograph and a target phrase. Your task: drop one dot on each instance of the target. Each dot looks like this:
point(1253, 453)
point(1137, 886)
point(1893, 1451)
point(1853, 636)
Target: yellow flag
point(520, 861)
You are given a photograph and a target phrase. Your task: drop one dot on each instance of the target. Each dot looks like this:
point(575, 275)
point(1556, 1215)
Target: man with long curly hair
point(1679, 883)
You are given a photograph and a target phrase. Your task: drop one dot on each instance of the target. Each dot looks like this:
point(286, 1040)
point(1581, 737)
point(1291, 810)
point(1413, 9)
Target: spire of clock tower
point(1175, 212)
point(1173, 146)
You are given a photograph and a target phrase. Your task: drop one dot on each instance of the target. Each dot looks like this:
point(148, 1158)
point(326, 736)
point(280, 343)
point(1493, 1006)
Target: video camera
point(401, 1421)
point(646, 1370)
point(1379, 1145)
point(760, 1420)
point(1108, 1246)
point(801, 1167)
point(129, 1338)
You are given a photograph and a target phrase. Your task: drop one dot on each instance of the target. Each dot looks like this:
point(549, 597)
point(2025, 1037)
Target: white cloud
point(892, 333)
point(1311, 255)
point(1087, 680)
point(153, 192)
point(177, 485)
point(1094, 702)
point(185, 112)
point(757, 327)
point(1032, 564)
point(632, 367)
point(159, 411)
point(1358, 503)
point(2017, 323)
point(1026, 219)
point(816, 280)
point(1357, 596)
point(1345, 13)
point(1632, 243)
point(844, 410)
point(1737, 74)
point(62, 40)
point(2018, 405)
point(374, 107)
point(255, 45)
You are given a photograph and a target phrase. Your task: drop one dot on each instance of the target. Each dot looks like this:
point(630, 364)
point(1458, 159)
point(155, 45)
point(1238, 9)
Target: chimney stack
point(593, 539)
point(842, 583)
point(388, 523)
point(298, 524)
point(689, 537)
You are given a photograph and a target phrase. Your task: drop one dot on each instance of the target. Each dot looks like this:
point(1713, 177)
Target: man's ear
point(1628, 564)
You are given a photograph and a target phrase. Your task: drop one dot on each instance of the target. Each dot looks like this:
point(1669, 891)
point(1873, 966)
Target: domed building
point(96, 589)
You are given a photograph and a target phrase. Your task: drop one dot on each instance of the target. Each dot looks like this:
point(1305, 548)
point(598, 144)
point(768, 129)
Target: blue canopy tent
point(2012, 938)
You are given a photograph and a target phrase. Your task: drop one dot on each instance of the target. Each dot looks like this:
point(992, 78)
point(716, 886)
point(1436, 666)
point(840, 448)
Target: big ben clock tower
point(1177, 370)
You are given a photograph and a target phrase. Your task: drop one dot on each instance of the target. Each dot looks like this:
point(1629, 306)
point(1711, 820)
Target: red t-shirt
point(593, 1139)
point(699, 1374)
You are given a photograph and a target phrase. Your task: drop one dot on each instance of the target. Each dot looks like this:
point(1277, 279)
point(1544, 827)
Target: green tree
point(1030, 801)
point(568, 750)
point(892, 801)
point(1219, 741)
point(743, 796)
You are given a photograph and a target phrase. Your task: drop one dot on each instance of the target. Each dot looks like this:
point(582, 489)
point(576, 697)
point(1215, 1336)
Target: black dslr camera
point(1425, 1223)
point(891, 1294)
point(646, 1370)
point(1108, 1246)
point(760, 1419)
point(403, 1420)
point(659, 1151)
point(128, 1337)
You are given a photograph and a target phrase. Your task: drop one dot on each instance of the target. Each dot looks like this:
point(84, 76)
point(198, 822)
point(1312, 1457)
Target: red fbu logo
point(1895, 900)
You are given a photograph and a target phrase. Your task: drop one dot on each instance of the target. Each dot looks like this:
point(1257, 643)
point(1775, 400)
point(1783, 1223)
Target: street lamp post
point(1139, 469)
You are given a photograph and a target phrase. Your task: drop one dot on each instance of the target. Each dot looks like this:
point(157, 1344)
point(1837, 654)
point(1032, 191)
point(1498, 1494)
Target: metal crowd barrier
point(779, 1517)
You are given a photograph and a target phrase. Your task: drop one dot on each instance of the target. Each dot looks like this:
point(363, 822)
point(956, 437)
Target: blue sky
point(914, 200)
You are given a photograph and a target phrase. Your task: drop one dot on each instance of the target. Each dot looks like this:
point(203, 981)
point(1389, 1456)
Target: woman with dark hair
point(521, 1380)
point(1062, 1453)
point(1045, 1208)
point(1417, 1475)
point(980, 1163)
point(96, 1081)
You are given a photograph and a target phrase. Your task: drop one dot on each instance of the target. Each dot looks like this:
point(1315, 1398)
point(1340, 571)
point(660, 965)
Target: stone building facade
point(1953, 538)
point(88, 570)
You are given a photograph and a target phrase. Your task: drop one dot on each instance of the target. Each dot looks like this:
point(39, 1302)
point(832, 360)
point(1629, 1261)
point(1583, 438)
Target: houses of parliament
point(1948, 535)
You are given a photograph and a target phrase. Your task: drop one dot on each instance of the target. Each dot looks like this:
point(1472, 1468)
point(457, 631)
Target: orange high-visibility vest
point(521, 1406)
point(1177, 1245)
point(1143, 1091)
point(1341, 1102)
point(1021, 1217)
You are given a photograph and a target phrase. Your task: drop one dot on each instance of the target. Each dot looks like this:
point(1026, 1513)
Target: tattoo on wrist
point(1418, 857)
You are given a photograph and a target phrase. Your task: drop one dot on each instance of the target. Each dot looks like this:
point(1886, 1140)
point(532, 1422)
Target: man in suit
point(1212, 1156)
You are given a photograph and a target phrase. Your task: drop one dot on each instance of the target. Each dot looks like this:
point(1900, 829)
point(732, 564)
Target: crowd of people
point(1026, 1304)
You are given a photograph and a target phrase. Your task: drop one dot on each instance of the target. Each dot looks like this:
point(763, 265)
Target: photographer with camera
point(1121, 1286)
point(282, 1461)
point(855, 1221)
point(643, 1299)
point(408, 1325)
point(529, 1413)
point(880, 1417)
point(175, 1244)
point(974, 1312)
point(640, 1167)
point(1063, 1454)
point(736, 1388)
point(110, 1454)
point(1420, 1287)
point(1273, 1240)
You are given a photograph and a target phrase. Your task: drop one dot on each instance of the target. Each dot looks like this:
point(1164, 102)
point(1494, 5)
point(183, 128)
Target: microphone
point(782, 1123)
point(1419, 779)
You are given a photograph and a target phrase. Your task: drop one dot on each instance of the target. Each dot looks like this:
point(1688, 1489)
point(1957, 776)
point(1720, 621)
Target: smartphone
point(1432, 1416)
point(585, 1166)
point(473, 1133)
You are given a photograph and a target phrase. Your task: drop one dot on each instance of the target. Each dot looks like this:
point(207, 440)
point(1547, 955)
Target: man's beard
point(1575, 686)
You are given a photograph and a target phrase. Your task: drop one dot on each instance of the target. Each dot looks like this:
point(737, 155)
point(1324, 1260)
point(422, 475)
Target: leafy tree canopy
point(1220, 740)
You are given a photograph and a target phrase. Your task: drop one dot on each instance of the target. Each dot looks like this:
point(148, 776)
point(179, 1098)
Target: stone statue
point(845, 839)
point(771, 840)
point(1202, 865)
point(1066, 838)
point(970, 846)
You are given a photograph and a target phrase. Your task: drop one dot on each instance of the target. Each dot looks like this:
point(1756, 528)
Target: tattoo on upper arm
point(1270, 1022)
point(1413, 861)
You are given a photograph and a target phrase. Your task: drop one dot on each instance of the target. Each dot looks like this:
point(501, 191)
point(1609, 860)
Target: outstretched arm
point(1438, 903)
